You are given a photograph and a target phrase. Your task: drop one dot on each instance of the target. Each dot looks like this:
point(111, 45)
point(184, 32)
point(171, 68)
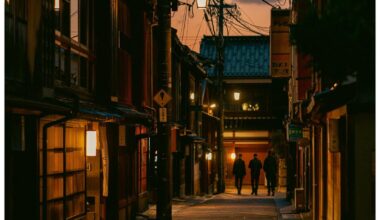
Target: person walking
point(239, 172)
point(255, 166)
point(270, 168)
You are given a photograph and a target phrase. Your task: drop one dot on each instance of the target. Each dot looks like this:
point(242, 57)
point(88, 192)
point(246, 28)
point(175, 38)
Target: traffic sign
point(162, 98)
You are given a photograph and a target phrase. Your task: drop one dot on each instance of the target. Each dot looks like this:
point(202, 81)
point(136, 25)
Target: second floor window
point(16, 14)
point(73, 54)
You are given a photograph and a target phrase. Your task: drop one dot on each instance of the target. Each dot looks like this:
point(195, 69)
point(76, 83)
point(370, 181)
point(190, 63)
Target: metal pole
point(220, 48)
point(164, 204)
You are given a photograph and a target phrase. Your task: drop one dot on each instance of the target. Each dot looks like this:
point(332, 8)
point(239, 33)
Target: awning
point(131, 115)
point(81, 109)
point(331, 99)
point(193, 138)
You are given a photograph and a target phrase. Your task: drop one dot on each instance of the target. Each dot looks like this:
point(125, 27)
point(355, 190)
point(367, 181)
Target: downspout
point(44, 152)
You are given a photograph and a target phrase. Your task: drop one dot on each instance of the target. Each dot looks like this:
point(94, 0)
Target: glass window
point(74, 69)
point(74, 18)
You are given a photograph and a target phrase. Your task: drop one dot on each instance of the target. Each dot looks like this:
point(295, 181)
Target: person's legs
point(256, 184)
point(273, 184)
point(269, 183)
point(237, 183)
point(252, 183)
point(240, 185)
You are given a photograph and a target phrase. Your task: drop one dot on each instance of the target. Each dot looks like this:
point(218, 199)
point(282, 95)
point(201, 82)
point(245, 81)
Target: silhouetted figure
point(239, 172)
point(270, 168)
point(255, 166)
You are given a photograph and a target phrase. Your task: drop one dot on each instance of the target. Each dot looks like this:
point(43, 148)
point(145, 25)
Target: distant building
point(254, 102)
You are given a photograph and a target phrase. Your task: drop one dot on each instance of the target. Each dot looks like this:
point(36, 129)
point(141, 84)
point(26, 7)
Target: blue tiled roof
point(244, 56)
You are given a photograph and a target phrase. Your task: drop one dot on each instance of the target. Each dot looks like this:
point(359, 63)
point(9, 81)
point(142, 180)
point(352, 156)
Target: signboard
point(280, 48)
point(162, 98)
point(294, 132)
point(163, 115)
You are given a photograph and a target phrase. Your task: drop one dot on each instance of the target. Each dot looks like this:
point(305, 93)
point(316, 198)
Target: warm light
point(233, 156)
point(192, 96)
point(209, 156)
point(236, 96)
point(56, 5)
point(202, 4)
point(8, 1)
point(245, 106)
point(213, 105)
point(91, 143)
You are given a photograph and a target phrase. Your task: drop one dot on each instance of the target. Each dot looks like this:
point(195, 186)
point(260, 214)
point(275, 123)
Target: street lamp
point(236, 96)
point(202, 4)
point(209, 156)
point(233, 156)
point(91, 143)
point(192, 96)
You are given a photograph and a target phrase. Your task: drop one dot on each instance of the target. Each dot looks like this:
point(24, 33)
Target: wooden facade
point(336, 153)
point(70, 70)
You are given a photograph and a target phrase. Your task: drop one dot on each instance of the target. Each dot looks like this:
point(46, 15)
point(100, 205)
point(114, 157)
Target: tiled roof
point(244, 56)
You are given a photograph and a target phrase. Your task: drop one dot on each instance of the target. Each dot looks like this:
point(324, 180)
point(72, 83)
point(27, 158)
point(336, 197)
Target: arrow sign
point(162, 98)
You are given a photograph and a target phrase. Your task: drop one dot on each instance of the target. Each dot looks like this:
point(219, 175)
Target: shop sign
point(294, 132)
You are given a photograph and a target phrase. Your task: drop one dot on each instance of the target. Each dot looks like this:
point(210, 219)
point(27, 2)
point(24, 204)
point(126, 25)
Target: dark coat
point(270, 166)
point(255, 165)
point(239, 168)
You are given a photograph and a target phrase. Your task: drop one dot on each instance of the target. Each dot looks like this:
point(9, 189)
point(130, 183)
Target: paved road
point(231, 206)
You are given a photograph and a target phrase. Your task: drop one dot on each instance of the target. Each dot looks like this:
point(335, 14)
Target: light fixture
point(209, 156)
point(213, 105)
point(233, 156)
point(236, 96)
point(91, 143)
point(202, 4)
point(192, 96)
point(244, 106)
point(56, 5)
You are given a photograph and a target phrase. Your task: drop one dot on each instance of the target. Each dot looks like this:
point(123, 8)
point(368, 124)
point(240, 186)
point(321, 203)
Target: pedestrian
point(270, 168)
point(255, 166)
point(239, 172)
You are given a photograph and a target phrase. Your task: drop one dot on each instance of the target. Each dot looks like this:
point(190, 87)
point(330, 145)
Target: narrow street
point(229, 205)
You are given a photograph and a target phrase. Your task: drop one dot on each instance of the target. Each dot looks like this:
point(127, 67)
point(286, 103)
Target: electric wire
point(196, 38)
point(244, 25)
point(249, 18)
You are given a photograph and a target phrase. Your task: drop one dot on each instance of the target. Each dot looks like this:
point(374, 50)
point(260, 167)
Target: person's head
point(255, 155)
point(240, 156)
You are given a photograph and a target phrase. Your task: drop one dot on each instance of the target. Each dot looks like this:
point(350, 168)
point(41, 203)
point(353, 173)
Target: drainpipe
point(44, 152)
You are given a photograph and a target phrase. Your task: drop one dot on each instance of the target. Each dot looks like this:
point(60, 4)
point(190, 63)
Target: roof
point(245, 56)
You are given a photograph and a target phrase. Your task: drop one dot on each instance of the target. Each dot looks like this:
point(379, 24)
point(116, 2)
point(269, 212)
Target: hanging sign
point(163, 115)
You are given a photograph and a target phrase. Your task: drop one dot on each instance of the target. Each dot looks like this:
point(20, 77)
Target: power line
point(244, 25)
point(196, 38)
point(249, 18)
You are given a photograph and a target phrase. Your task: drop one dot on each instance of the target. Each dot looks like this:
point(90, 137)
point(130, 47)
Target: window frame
point(72, 47)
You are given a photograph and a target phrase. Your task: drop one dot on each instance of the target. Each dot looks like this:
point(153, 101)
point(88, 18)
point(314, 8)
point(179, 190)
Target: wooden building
point(68, 78)
point(334, 157)
point(255, 103)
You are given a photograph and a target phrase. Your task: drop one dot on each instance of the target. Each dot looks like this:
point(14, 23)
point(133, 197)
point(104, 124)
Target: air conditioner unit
point(299, 199)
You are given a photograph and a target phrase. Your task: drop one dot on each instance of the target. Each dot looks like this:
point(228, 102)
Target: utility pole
point(164, 187)
point(220, 48)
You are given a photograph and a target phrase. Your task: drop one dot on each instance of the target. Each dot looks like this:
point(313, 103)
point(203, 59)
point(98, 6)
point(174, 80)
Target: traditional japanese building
point(77, 128)
point(254, 102)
